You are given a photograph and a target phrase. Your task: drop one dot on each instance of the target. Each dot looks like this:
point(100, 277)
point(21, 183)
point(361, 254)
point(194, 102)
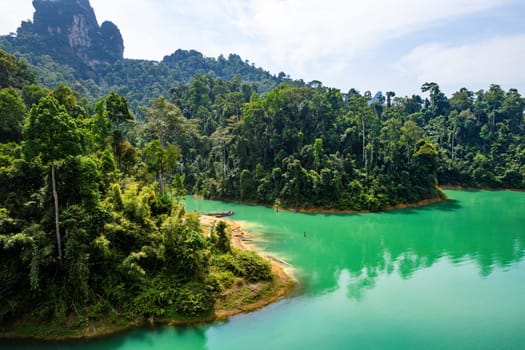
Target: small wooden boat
point(220, 214)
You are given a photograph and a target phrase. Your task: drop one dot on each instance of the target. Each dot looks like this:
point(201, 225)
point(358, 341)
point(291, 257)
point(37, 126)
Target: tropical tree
point(51, 135)
point(119, 115)
point(439, 104)
point(161, 159)
point(163, 121)
point(14, 72)
point(12, 110)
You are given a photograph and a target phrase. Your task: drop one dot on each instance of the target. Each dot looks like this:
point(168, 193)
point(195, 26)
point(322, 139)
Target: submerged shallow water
point(446, 276)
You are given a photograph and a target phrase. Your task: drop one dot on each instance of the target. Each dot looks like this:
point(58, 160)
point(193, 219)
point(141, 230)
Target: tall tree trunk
point(223, 167)
point(364, 142)
point(372, 154)
point(162, 185)
point(117, 151)
point(452, 143)
point(161, 182)
point(57, 224)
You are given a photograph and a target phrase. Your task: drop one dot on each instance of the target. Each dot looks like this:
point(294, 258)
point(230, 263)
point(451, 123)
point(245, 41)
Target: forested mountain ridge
point(65, 44)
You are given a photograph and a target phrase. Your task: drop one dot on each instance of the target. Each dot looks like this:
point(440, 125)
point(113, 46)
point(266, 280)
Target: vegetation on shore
point(233, 294)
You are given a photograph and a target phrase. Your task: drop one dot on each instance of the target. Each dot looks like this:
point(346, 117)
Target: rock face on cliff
point(68, 30)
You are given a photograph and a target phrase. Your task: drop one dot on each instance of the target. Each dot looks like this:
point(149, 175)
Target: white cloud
point(498, 60)
point(289, 35)
point(298, 32)
point(12, 13)
point(141, 23)
point(152, 29)
point(307, 39)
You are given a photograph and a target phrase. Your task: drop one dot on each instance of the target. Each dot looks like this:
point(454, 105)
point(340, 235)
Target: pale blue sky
point(368, 45)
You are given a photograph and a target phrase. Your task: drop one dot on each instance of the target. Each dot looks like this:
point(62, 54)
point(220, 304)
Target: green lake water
point(445, 276)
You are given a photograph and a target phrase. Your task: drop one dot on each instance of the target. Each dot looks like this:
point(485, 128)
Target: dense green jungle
point(81, 206)
point(95, 159)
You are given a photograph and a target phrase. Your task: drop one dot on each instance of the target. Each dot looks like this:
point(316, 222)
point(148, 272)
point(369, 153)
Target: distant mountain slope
point(64, 43)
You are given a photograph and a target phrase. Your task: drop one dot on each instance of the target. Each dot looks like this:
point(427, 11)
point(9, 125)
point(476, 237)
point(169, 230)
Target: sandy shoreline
point(239, 238)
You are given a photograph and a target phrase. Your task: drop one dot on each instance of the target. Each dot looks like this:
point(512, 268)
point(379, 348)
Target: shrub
point(218, 282)
point(227, 262)
point(244, 264)
point(253, 266)
point(194, 300)
point(223, 241)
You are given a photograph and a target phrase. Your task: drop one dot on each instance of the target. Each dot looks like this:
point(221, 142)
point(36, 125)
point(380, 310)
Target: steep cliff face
point(68, 30)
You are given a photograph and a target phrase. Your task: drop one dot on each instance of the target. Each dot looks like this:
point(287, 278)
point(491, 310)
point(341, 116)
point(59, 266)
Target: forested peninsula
point(94, 237)
point(93, 229)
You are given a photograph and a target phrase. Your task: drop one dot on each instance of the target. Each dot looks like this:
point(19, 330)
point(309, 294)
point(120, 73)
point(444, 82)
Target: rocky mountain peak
point(69, 29)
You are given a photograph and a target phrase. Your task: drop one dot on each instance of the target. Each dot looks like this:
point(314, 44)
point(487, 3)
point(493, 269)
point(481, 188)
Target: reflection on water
point(449, 275)
point(159, 338)
point(475, 228)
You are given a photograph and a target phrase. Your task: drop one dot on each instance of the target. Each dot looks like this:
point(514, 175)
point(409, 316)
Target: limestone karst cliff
point(68, 31)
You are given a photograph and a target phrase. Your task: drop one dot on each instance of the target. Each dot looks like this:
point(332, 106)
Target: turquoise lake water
point(445, 276)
